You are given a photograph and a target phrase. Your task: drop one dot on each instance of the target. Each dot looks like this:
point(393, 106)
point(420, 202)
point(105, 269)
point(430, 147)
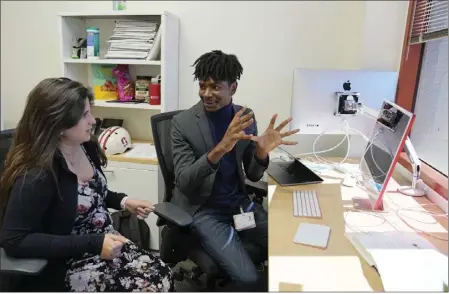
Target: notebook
point(312, 235)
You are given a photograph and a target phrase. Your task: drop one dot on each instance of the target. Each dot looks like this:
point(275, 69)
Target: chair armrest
point(259, 188)
point(22, 266)
point(173, 214)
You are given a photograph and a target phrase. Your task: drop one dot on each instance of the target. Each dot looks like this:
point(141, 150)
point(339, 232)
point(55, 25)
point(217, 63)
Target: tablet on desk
point(289, 171)
point(312, 235)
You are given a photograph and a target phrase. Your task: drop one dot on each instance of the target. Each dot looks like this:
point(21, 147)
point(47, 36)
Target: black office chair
point(12, 270)
point(175, 233)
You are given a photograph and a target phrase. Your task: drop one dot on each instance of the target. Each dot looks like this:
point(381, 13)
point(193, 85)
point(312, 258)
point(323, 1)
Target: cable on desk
point(323, 160)
point(401, 215)
point(369, 148)
point(327, 150)
point(375, 214)
point(347, 128)
point(347, 149)
point(399, 208)
point(424, 211)
point(412, 209)
point(421, 231)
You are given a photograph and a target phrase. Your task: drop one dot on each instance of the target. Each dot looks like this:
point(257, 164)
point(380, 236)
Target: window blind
point(430, 131)
point(430, 20)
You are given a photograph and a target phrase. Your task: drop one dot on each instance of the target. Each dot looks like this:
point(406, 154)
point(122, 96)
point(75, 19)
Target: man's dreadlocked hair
point(218, 66)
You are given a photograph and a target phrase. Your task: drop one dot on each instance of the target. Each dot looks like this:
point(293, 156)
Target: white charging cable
point(398, 209)
point(323, 160)
point(327, 150)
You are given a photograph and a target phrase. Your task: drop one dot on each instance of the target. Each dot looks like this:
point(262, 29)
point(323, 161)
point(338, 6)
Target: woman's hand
point(112, 246)
point(140, 207)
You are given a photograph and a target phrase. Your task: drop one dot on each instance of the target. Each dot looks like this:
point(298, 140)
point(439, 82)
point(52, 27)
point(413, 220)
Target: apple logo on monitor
point(347, 86)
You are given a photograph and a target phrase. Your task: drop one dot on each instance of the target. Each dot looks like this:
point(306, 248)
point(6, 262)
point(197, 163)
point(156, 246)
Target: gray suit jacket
point(191, 141)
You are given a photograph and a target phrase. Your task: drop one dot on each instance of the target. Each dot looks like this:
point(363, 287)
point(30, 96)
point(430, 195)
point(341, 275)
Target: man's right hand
point(234, 133)
point(112, 246)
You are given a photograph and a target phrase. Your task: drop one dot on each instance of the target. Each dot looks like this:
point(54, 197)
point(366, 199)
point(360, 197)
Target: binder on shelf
point(156, 49)
point(133, 40)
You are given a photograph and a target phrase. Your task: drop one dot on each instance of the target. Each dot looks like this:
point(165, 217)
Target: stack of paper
point(412, 270)
point(142, 150)
point(419, 264)
point(371, 243)
point(131, 39)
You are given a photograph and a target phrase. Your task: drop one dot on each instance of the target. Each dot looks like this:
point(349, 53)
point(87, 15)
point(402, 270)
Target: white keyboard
point(305, 204)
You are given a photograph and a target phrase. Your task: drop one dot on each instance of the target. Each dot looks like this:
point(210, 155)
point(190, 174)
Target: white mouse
point(349, 181)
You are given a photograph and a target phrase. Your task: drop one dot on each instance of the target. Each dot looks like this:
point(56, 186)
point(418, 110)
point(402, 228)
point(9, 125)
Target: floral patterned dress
point(134, 270)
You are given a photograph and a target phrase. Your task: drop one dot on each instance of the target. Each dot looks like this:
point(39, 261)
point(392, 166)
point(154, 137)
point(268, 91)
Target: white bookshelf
point(100, 103)
point(140, 180)
point(73, 25)
point(114, 61)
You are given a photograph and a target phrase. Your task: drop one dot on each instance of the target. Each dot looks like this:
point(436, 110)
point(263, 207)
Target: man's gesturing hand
point(234, 133)
point(273, 137)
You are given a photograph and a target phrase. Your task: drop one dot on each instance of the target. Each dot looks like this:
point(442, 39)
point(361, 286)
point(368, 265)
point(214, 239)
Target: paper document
point(318, 273)
point(412, 270)
point(374, 242)
point(421, 266)
point(142, 150)
point(271, 189)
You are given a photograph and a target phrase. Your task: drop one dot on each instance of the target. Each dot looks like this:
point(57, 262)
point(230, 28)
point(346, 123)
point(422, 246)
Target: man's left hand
point(140, 207)
point(272, 137)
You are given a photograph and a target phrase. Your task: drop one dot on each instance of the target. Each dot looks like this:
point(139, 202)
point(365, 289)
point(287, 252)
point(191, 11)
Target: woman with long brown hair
point(55, 200)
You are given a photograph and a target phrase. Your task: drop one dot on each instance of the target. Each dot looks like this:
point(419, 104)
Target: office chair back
point(161, 128)
point(6, 138)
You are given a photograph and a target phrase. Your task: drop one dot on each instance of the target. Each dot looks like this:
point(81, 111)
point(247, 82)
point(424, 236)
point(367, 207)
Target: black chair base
point(10, 283)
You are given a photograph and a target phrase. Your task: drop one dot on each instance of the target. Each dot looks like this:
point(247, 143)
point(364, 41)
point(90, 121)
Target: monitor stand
point(410, 191)
point(364, 204)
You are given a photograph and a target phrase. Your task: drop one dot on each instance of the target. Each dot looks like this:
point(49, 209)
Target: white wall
point(270, 39)
point(384, 28)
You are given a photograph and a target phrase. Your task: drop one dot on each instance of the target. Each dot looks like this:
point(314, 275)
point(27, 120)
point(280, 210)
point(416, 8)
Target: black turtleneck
point(226, 187)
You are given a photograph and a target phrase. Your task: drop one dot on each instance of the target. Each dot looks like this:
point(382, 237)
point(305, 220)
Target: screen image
point(316, 95)
point(388, 136)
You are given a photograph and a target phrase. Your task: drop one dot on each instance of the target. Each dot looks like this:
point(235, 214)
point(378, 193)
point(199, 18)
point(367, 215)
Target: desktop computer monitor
point(315, 99)
point(387, 140)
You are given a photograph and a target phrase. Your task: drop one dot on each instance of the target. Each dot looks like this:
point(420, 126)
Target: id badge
point(244, 220)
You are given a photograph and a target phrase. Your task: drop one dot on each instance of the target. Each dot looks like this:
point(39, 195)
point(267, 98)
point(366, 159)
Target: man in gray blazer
point(215, 144)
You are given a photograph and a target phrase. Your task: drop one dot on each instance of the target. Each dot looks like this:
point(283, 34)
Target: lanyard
point(250, 206)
